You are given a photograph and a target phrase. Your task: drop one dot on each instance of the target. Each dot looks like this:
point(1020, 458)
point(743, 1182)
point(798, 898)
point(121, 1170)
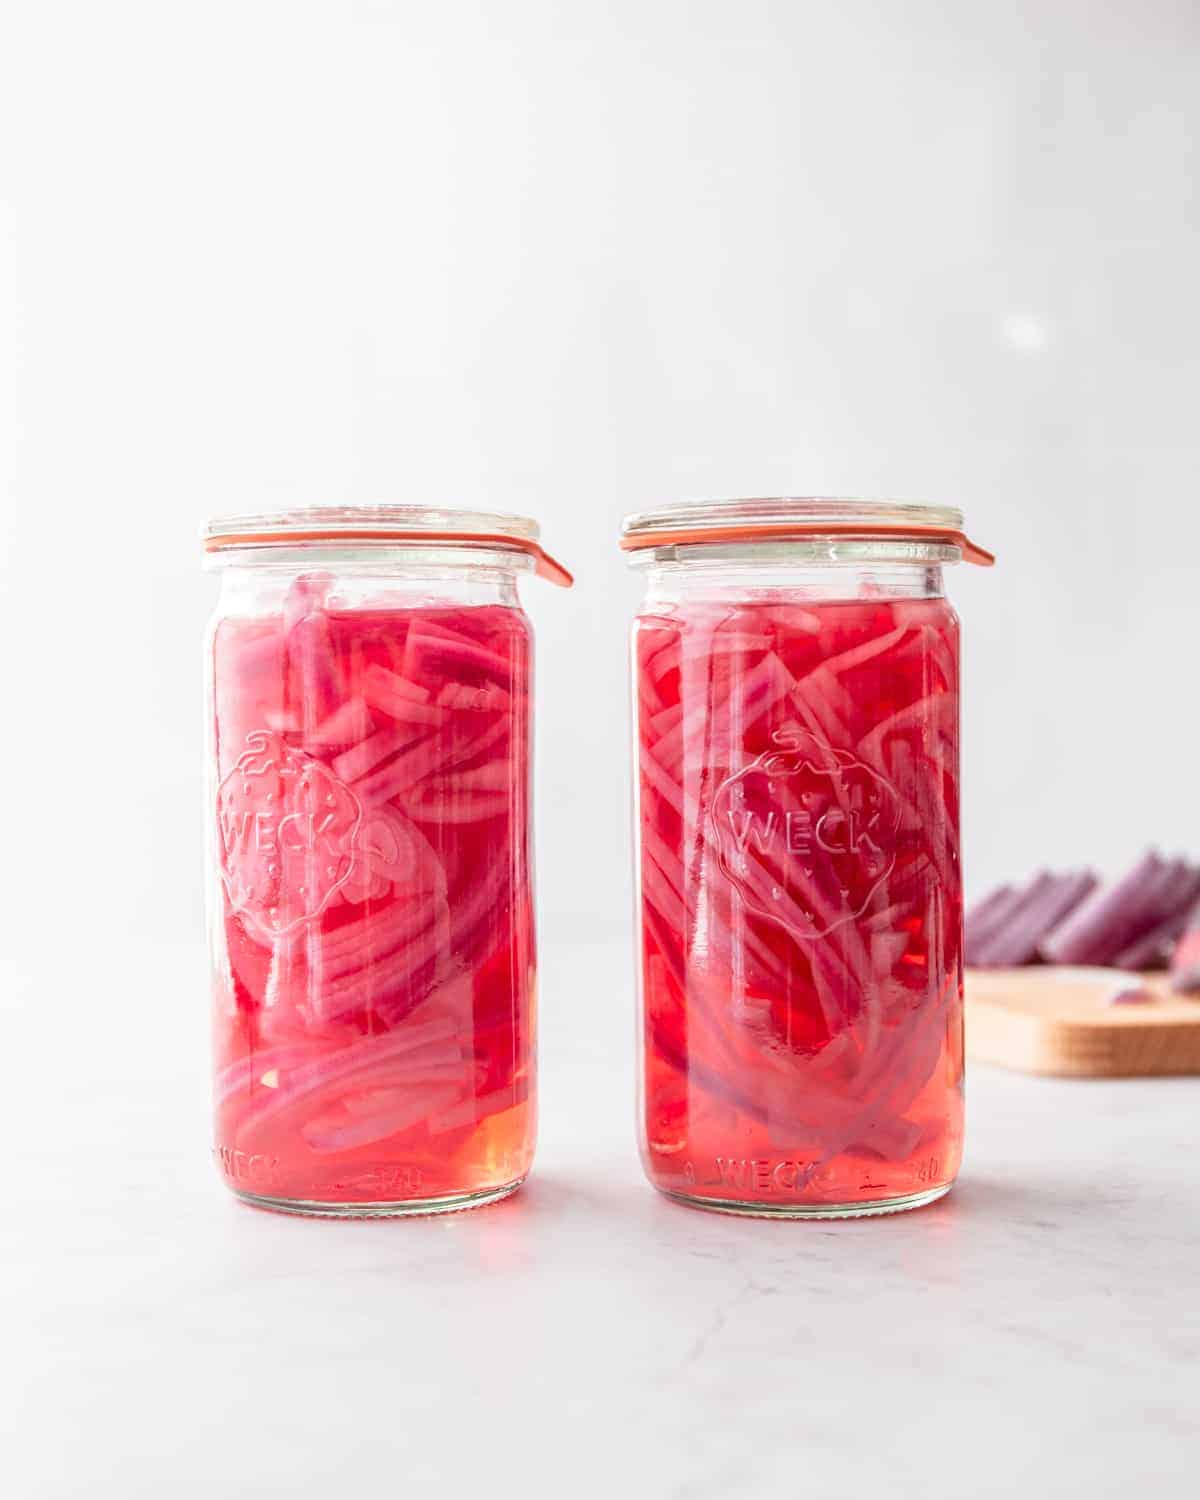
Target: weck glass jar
point(370, 890)
point(796, 675)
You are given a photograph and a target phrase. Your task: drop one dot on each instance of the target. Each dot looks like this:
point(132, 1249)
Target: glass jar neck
point(362, 578)
point(793, 578)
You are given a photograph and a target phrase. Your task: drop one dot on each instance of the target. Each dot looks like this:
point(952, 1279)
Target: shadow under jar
point(796, 675)
point(370, 892)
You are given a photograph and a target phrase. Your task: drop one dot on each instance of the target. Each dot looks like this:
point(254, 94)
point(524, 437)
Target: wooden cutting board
point(1058, 1020)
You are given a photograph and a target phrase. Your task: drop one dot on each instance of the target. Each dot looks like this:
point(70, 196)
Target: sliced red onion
point(1006, 929)
point(993, 950)
point(1056, 901)
point(1185, 961)
point(1107, 921)
point(1130, 994)
point(1133, 923)
point(1153, 949)
point(985, 918)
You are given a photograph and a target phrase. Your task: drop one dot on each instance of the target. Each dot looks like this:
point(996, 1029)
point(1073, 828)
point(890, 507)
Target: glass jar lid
point(785, 519)
point(384, 526)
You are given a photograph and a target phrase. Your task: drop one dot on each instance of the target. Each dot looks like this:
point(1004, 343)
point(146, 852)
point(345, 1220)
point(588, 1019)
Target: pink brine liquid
point(374, 1005)
point(801, 901)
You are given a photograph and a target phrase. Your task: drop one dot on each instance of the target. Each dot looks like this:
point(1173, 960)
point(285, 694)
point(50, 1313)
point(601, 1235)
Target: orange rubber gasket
point(795, 531)
point(544, 565)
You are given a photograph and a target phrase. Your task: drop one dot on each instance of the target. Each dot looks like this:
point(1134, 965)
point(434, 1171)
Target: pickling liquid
point(801, 904)
point(374, 995)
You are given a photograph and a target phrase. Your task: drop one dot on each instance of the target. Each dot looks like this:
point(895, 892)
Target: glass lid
point(384, 525)
point(359, 521)
point(784, 518)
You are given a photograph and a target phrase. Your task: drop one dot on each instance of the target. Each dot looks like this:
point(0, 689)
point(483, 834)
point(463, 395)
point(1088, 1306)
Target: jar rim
point(783, 519)
point(383, 526)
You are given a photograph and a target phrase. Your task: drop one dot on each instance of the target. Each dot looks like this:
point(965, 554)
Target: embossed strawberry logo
point(806, 833)
point(287, 831)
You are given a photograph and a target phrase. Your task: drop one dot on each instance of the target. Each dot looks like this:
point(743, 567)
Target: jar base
point(811, 1210)
point(451, 1203)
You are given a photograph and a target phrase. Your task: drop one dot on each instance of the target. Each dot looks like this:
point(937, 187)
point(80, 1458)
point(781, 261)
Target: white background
point(571, 260)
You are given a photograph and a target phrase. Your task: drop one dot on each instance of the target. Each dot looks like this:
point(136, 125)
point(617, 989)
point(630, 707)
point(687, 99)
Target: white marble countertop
point(1035, 1333)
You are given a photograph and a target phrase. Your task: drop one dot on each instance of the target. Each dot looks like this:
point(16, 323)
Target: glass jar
point(370, 890)
point(797, 818)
